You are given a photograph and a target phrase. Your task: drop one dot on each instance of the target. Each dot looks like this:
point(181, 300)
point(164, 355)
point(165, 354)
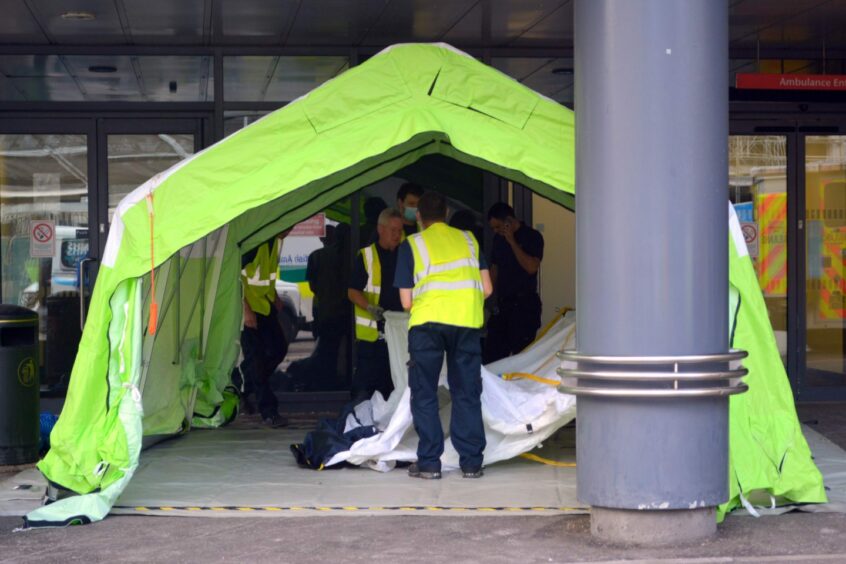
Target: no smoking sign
point(750, 235)
point(42, 238)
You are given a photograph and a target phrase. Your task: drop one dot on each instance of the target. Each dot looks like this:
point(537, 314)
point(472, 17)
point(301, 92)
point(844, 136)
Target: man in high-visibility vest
point(443, 280)
point(262, 340)
point(372, 292)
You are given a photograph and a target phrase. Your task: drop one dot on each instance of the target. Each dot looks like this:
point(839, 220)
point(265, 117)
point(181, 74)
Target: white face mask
point(410, 214)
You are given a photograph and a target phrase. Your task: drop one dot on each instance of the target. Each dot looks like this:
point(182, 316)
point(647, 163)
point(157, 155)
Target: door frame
point(795, 123)
point(68, 126)
point(135, 125)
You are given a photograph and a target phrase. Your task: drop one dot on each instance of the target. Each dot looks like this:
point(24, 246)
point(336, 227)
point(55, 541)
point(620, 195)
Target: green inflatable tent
point(131, 385)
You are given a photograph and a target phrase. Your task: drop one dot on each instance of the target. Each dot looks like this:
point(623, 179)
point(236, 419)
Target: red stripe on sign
point(757, 81)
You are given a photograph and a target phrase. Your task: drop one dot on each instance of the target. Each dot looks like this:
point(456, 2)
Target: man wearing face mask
point(407, 197)
point(515, 260)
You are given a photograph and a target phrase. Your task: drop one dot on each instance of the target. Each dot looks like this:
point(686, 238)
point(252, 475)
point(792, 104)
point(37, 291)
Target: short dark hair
point(432, 207)
point(500, 211)
point(409, 188)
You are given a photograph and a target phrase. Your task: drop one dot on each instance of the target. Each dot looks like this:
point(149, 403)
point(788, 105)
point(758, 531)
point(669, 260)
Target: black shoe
point(472, 473)
point(416, 472)
point(275, 421)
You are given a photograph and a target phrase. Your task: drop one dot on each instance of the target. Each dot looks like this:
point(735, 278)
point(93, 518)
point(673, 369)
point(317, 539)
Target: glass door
point(758, 189)
point(824, 321)
point(134, 150)
point(46, 212)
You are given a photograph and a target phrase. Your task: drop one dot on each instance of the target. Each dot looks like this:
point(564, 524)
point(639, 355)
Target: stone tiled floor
point(828, 419)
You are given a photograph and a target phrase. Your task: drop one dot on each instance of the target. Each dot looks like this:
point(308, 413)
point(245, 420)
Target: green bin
point(19, 385)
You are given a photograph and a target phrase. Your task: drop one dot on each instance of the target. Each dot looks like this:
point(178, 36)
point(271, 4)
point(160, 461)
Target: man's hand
point(527, 262)
point(508, 230)
point(249, 317)
point(376, 311)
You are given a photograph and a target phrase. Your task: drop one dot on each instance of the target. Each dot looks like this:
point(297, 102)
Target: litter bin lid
point(10, 312)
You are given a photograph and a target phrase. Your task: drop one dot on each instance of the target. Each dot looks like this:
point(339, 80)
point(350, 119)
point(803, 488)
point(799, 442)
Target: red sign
point(315, 226)
point(42, 232)
point(830, 82)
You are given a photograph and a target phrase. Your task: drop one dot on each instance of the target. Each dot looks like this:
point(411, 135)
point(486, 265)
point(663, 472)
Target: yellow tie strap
point(516, 375)
point(547, 461)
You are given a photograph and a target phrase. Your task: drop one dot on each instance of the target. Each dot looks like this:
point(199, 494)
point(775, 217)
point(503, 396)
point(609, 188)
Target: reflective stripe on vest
point(365, 324)
point(447, 282)
point(258, 278)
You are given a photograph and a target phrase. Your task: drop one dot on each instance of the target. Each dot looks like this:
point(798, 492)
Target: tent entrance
point(471, 191)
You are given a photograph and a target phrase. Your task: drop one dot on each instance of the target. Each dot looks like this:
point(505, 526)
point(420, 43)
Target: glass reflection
point(758, 190)
point(825, 282)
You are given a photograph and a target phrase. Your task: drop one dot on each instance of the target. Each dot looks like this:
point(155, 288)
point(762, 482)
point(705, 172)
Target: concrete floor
point(828, 419)
point(506, 539)
point(794, 537)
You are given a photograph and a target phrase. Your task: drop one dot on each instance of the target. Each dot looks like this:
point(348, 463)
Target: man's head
point(432, 208)
point(408, 197)
point(389, 228)
point(501, 218)
point(329, 238)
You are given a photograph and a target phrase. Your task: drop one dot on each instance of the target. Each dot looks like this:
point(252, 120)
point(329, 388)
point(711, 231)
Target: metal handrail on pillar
point(700, 383)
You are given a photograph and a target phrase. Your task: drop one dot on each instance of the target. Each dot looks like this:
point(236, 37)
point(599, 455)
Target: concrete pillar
point(651, 108)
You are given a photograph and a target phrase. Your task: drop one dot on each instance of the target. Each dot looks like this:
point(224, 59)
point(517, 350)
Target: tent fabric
point(131, 386)
point(767, 451)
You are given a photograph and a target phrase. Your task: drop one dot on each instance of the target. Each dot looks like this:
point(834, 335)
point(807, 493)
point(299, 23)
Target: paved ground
point(789, 538)
point(795, 537)
point(828, 419)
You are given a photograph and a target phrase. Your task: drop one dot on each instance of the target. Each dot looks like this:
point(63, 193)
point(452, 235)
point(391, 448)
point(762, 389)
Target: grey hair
point(388, 214)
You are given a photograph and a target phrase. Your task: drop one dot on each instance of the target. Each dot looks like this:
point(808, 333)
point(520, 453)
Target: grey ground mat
point(252, 472)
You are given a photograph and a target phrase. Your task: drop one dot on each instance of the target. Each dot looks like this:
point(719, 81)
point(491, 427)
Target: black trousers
point(427, 345)
point(512, 327)
point(264, 348)
point(372, 371)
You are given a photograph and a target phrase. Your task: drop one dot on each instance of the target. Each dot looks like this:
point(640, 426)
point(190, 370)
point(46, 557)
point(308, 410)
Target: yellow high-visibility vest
point(258, 278)
point(365, 324)
point(447, 282)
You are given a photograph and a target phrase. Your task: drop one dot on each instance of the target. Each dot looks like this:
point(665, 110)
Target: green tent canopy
point(130, 387)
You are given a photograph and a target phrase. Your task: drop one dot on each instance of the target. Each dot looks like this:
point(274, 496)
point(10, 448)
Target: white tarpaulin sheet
point(518, 413)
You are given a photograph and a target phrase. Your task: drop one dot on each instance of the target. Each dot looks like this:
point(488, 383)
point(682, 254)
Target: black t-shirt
point(389, 298)
point(511, 278)
point(409, 229)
